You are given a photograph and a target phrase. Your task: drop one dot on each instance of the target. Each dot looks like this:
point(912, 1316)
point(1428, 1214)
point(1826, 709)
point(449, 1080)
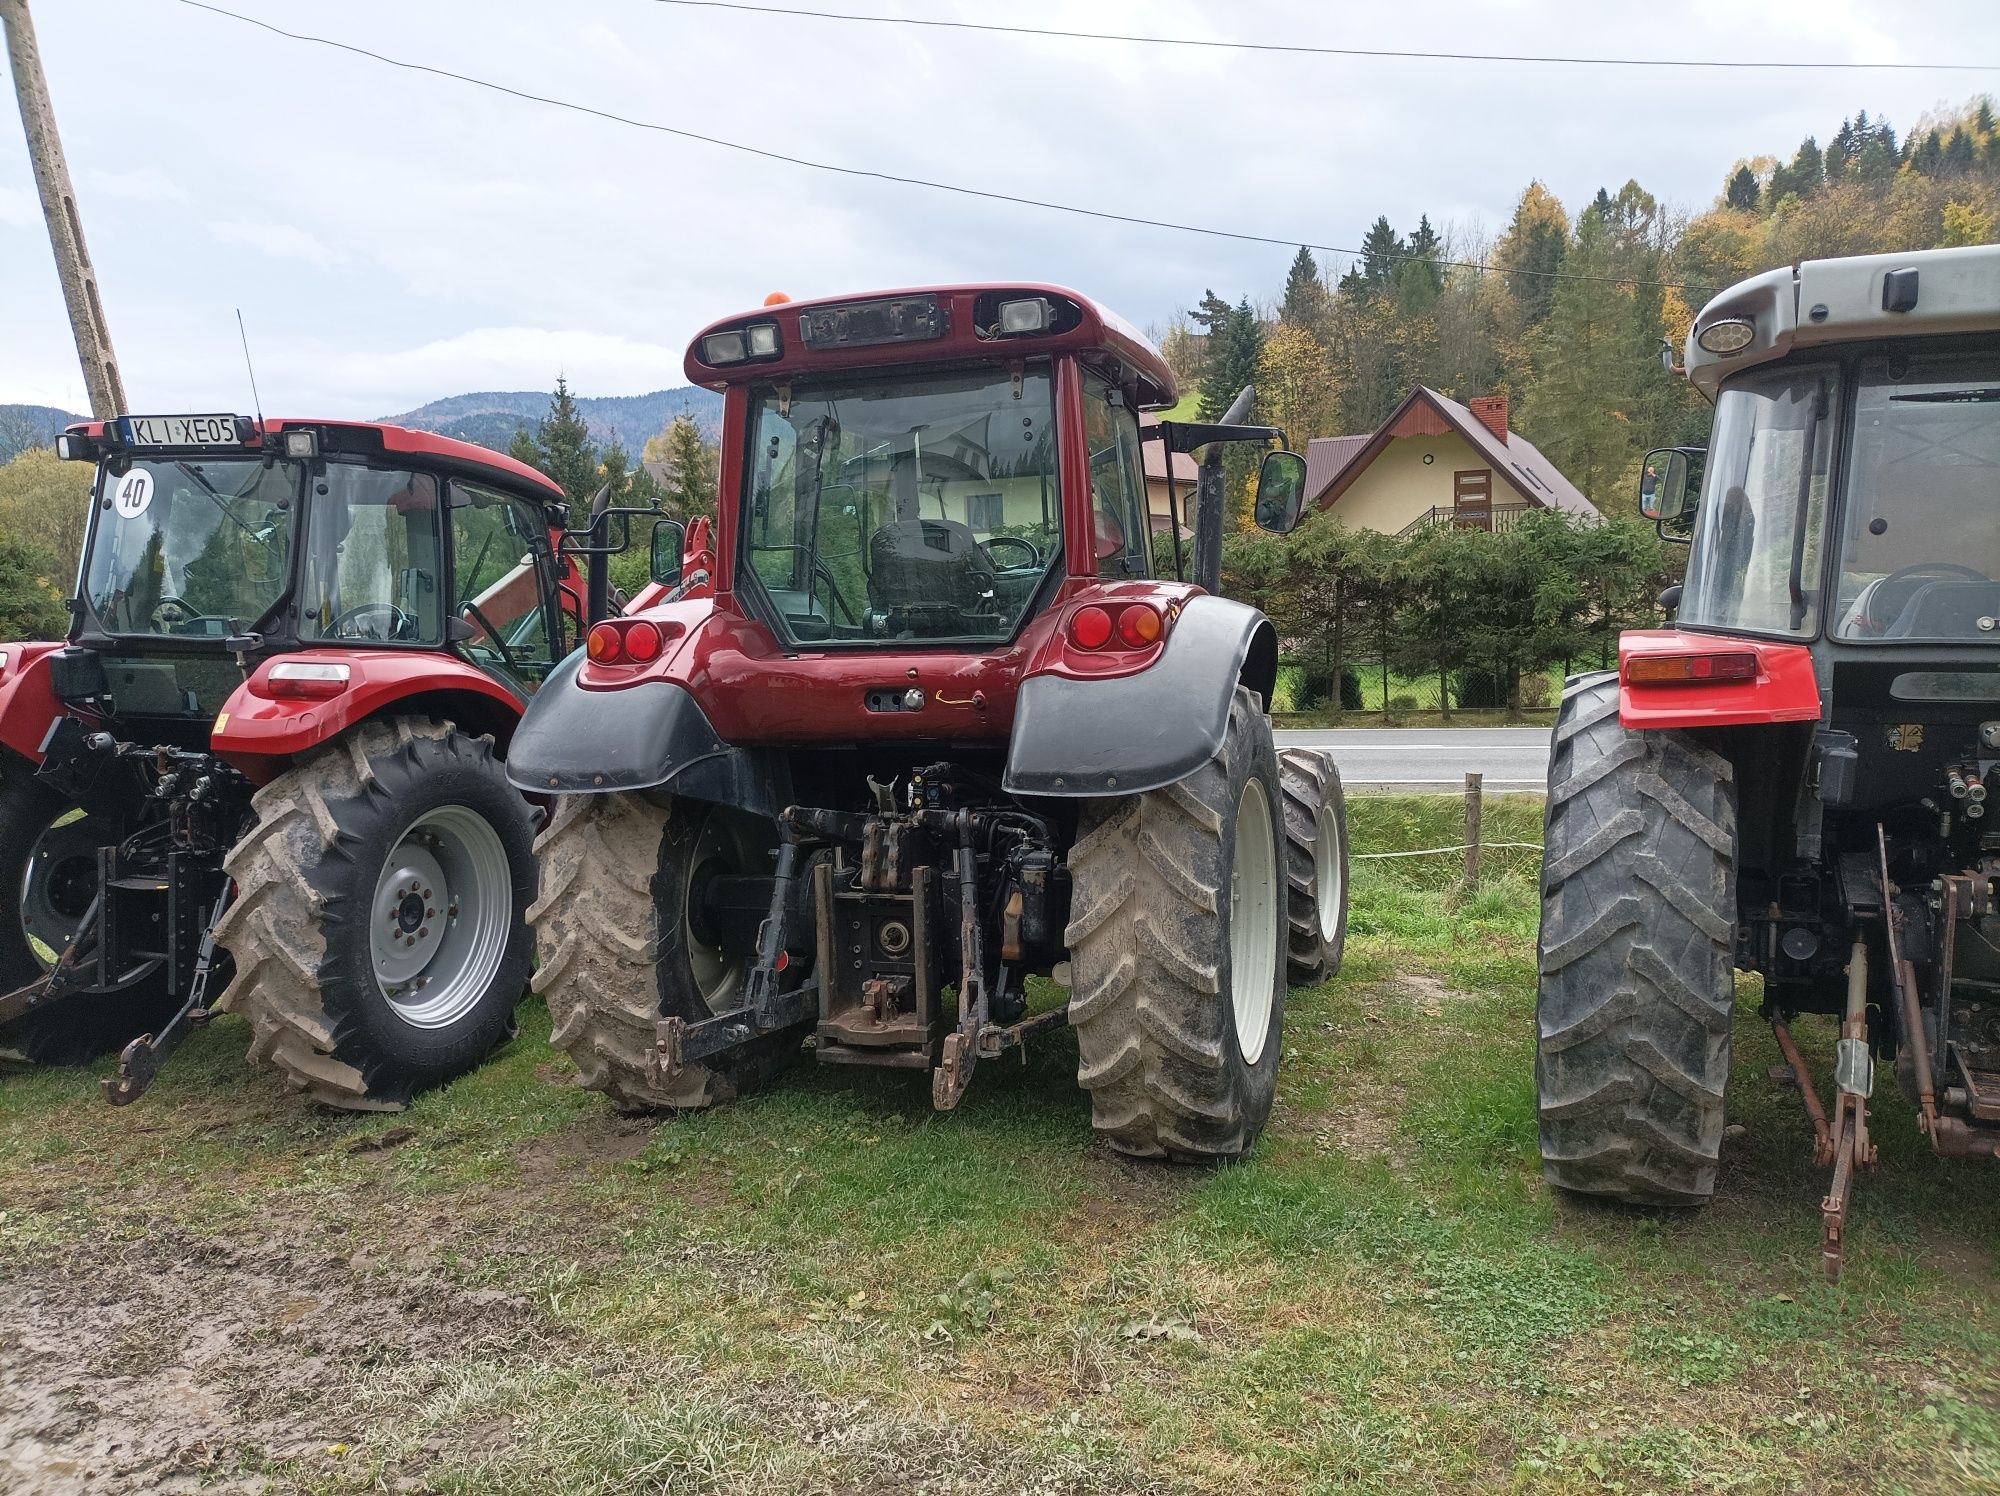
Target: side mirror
point(668, 542)
point(1670, 484)
point(1281, 492)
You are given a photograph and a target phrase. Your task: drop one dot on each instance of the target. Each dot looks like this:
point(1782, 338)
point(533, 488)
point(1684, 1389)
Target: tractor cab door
point(506, 607)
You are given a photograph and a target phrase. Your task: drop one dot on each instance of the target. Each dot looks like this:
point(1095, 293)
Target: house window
point(1472, 499)
point(985, 512)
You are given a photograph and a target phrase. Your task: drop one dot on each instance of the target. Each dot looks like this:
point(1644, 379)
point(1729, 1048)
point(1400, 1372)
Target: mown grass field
point(829, 1287)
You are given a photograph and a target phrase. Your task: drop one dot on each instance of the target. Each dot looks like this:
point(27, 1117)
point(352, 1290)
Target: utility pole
point(79, 280)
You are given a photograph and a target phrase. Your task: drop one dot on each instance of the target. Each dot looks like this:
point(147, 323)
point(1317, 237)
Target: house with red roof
point(1437, 462)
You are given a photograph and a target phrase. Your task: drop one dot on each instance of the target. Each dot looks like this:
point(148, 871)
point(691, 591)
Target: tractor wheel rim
point(1253, 922)
point(441, 917)
point(1328, 883)
point(717, 974)
point(58, 882)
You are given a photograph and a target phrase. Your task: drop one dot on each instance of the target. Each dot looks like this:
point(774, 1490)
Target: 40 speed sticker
point(133, 494)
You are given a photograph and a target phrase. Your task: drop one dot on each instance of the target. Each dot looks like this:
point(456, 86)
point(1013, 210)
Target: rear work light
point(742, 345)
point(315, 680)
point(1028, 315)
point(1689, 670)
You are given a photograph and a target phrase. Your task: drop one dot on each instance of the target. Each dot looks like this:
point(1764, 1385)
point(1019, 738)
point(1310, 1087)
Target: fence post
point(1473, 791)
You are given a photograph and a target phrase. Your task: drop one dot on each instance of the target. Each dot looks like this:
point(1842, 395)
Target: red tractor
point(268, 754)
point(1794, 779)
point(939, 728)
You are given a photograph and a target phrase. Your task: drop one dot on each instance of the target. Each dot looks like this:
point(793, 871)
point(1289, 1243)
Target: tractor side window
point(1761, 530)
point(372, 564)
point(1920, 548)
point(499, 548)
point(1117, 482)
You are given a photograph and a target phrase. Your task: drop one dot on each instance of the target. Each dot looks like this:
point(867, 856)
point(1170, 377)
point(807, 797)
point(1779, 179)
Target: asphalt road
point(1422, 760)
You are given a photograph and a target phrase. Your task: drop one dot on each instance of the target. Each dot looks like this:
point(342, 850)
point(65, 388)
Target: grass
point(830, 1286)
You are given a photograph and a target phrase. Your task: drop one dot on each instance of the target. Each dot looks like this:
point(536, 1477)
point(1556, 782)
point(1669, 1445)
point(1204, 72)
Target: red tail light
point(642, 642)
point(605, 646)
point(1090, 628)
point(1689, 669)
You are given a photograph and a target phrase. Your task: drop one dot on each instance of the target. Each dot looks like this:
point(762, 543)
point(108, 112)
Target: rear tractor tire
point(1315, 865)
point(379, 928)
point(618, 950)
point(46, 885)
point(1637, 940)
point(1177, 940)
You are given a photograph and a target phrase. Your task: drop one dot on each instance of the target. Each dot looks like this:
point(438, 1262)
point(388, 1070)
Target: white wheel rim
point(1253, 922)
point(1327, 885)
point(441, 916)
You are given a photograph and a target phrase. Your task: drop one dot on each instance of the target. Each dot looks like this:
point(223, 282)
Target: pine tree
point(1532, 251)
point(1233, 355)
point(1741, 193)
point(1585, 369)
point(1959, 156)
point(1382, 250)
point(1807, 172)
point(1304, 304)
point(1927, 156)
point(1419, 278)
point(561, 446)
point(689, 467)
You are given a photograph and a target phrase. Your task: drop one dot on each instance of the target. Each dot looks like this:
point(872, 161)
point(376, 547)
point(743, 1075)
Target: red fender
point(1782, 687)
point(28, 704)
point(258, 728)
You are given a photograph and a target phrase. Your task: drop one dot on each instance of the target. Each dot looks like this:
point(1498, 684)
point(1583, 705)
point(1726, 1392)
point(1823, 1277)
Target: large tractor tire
point(1315, 865)
point(379, 928)
point(1177, 940)
point(46, 886)
point(1637, 940)
point(618, 950)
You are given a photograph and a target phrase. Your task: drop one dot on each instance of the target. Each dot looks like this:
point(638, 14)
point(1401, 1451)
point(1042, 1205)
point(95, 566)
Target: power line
point(1304, 49)
point(1285, 242)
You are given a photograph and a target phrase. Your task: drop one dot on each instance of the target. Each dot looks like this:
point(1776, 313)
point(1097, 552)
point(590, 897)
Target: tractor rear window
point(183, 545)
point(917, 508)
point(1920, 545)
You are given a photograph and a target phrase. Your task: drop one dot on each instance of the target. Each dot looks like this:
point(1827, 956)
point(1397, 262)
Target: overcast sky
point(393, 237)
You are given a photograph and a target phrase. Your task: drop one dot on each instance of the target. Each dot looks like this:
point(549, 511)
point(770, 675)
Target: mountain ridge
point(486, 418)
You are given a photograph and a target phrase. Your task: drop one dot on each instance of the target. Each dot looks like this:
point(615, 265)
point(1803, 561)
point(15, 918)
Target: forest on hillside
point(1565, 311)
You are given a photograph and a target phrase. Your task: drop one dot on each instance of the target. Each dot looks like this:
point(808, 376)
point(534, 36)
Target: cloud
point(19, 208)
point(281, 241)
point(144, 185)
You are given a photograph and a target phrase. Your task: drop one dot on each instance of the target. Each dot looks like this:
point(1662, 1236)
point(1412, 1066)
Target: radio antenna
point(256, 399)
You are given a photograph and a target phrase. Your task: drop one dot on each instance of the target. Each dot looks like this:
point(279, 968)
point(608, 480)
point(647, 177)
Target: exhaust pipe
point(1209, 497)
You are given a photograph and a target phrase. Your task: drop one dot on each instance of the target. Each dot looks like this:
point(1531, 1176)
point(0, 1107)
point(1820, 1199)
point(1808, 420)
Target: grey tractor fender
point(1132, 733)
point(653, 735)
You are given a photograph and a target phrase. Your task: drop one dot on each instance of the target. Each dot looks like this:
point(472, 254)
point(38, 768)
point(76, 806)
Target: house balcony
point(1496, 517)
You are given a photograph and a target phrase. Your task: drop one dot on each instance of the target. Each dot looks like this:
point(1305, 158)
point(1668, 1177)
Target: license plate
point(182, 431)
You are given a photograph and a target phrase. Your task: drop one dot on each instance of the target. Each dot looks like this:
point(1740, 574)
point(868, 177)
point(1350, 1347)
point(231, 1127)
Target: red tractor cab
point(1793, 779)
point(940, 727)
point(262, 774)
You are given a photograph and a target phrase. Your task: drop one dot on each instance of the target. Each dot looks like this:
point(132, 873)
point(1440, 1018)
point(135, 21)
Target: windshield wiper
point(215, 495)
point(1983, 395)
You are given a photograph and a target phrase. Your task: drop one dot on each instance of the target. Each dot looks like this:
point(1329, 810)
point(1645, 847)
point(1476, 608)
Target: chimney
point(1491, 412)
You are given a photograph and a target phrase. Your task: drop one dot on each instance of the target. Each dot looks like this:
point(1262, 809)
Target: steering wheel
point(820, 571)
point(1922, 571)
point(398, 621)
point(1034, 562)
point(185, 609)
point(499, 643)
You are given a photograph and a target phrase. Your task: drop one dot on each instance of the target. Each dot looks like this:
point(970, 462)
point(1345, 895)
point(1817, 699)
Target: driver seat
point(927, 575)
point(1948, 608)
